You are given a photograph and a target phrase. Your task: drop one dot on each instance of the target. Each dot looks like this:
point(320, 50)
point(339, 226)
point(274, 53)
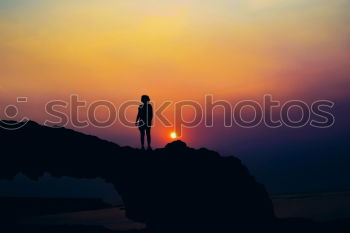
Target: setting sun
point(173, 135)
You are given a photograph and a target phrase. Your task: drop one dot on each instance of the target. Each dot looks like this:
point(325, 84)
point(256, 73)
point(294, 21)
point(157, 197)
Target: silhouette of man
point(144, 121)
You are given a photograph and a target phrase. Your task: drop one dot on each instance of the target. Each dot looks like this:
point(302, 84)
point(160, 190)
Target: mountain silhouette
point(169, 189)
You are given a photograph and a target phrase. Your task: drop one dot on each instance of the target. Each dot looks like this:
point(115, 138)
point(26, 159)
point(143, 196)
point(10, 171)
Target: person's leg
point(148, 131)
point(142, 132)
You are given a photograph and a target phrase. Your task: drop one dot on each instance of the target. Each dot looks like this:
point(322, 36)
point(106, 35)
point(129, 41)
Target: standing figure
point(144, 121)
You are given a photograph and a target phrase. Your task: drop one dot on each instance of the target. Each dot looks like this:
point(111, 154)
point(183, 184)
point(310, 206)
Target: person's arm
point(137, 117)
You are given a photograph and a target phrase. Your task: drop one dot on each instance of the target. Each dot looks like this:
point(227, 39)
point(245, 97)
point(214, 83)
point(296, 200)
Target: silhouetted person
point(144, 120)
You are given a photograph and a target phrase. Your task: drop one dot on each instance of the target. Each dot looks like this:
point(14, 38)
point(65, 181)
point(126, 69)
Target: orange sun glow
point(173, 135)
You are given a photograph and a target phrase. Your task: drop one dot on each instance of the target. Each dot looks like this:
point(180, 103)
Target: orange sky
point(172, 50)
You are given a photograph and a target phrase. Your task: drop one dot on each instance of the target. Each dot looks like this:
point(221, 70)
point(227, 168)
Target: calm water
point(323, 206)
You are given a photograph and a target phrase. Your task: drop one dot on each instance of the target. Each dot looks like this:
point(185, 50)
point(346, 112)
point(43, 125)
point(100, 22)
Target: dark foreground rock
point(169, 189)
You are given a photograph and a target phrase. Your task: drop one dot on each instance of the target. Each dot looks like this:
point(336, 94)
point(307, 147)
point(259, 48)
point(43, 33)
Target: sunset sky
point(117, 50)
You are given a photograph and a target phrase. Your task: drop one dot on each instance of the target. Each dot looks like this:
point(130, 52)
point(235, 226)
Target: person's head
point(145, 99)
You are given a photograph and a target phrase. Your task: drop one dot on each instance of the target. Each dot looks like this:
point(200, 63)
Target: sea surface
point(318, 207)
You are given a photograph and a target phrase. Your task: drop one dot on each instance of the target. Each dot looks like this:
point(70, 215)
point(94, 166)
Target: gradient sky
point(174, 50)
point(119, 49)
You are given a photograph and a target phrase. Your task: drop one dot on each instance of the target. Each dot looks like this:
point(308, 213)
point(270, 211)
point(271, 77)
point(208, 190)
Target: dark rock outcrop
point(172, 188)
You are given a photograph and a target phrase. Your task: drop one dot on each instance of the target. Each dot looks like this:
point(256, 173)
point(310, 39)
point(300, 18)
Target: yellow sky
point(120, 49)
